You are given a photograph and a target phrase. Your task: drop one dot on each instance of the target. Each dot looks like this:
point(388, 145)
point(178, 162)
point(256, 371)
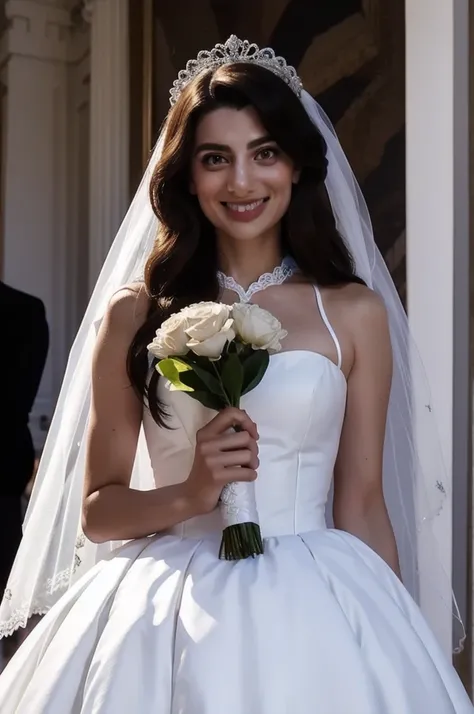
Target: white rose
point(204, 328)
point(171, 338)
point(213, 346)
point(205, 319)
point(209, 328)
point(257, 327)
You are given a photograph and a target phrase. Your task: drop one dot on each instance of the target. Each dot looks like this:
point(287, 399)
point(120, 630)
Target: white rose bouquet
point(217, 353)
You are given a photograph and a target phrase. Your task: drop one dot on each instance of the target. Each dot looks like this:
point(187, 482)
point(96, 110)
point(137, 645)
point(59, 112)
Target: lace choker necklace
point(278, 276)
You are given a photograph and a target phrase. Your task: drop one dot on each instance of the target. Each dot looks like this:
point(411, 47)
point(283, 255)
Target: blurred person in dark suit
point(24, 341)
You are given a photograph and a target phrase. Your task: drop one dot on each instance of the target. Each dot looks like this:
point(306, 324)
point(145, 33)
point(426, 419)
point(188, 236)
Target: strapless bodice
point(299, 410)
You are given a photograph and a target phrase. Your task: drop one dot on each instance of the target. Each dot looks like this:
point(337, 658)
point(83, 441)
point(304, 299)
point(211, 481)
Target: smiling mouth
point(244, 207)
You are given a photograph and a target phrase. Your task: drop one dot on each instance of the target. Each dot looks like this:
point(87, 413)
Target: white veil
point(54, 553)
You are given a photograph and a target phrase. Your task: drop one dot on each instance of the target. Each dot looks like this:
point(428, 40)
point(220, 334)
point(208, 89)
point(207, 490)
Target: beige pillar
point(35, 55)
point(438, 266)
point(109, 127)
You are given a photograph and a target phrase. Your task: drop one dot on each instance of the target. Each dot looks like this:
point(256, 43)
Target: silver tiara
point(235, 50)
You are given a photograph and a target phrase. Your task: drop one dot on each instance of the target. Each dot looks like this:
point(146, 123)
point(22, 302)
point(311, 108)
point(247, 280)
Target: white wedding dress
point(317, 625)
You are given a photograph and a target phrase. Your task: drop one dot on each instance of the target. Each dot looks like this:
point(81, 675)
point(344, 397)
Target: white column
point(109, 152)
point(437, 259)
point(35, 172)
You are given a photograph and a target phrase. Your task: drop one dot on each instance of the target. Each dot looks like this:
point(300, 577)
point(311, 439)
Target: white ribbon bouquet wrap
point(217, 353)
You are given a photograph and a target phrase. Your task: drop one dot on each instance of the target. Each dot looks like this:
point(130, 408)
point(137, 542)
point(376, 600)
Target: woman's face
point(240, 176)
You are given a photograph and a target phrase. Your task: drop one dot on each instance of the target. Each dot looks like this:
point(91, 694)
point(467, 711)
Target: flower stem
point(241, 541)
point(218, 375)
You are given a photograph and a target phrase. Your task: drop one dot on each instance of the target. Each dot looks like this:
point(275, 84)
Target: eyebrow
point(223, 147)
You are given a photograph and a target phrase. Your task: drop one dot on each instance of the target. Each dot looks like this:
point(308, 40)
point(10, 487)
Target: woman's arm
point(111, 509)
point(359, 505)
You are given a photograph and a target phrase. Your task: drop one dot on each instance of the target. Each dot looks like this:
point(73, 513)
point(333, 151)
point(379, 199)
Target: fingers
point(234, 441)
point(235, 449)
point(224, 456)
point(228, 459)
point(225, 420)
point(239, 473)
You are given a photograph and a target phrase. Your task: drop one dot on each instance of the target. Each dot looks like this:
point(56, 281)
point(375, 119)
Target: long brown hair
point(183, 264)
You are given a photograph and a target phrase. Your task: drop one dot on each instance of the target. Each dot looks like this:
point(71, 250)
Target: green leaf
point(210, 381)
point(211, 401)
point(171, 369)
point(232, 378)
point(192, 379)
point(180, 365)
point(183, 378)
point(202, 393)
point(202, 362)
point(254, 368)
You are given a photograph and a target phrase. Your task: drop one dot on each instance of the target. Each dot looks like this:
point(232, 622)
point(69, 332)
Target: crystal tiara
point(235, 50)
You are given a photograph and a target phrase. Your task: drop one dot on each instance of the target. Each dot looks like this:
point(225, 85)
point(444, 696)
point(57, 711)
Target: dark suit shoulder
point(17, 299)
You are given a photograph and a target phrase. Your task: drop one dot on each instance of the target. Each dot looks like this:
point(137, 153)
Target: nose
point(240, 179)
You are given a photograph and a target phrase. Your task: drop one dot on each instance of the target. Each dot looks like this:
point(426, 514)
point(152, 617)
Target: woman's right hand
point(222, 457)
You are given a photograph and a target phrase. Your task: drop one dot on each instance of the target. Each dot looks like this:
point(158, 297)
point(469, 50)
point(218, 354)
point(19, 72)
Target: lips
point(245, 211)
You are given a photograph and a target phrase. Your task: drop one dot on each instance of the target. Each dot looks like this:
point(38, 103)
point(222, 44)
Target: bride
point(252, 200)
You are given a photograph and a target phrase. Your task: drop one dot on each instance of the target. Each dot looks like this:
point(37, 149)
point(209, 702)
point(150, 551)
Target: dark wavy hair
point(183, 264)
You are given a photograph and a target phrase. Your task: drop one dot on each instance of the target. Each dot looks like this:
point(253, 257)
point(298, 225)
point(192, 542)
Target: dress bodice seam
point(298, 459)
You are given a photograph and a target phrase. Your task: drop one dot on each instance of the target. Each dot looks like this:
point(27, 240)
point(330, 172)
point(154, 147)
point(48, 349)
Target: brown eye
point(213, 160)
point(267, 153)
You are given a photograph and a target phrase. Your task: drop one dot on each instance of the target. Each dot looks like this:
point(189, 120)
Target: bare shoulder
point(126, 312)
point(361, 308)
point(128, 307)
point(364, 304)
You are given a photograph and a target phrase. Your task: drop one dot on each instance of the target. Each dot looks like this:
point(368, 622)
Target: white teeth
point(241, 207)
